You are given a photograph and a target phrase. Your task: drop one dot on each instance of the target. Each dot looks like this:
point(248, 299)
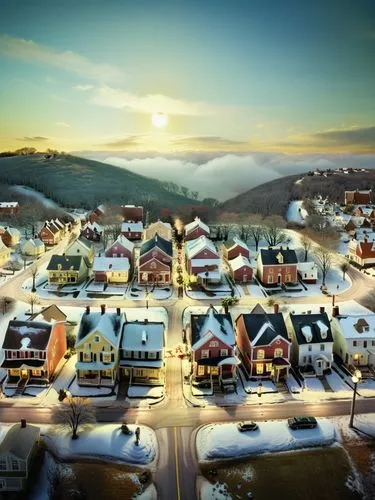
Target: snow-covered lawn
point(251, 386)
point(146, 391)
point(296, 213)
point(313, 384)
point(77, 390)
point(224, 441)
point(337, 384)
point(362, 422)
point(255, 291)
point(293, 385)
point(105, 442)
point(367, 388)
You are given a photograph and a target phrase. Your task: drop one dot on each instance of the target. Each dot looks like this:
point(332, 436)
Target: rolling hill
point(272, 198)
point(77, 182)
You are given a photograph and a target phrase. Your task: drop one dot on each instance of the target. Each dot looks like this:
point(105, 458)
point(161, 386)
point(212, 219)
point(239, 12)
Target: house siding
point(196, 233)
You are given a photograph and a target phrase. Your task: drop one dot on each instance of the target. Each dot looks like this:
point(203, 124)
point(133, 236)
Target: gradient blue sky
point(234, 75)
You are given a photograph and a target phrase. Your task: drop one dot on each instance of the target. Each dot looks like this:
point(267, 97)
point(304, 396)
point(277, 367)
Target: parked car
point(246, 426)
point(302, 422)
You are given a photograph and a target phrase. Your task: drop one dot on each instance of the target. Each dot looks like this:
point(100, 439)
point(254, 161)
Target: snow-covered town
point(184, 337)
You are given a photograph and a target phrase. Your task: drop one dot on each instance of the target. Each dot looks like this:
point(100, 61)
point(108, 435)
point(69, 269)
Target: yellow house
point(97, 347)
point(64, 270)
point(163, 229)
point(111, 269)
point(33, 247)
point(4, 253)
point(81, 248)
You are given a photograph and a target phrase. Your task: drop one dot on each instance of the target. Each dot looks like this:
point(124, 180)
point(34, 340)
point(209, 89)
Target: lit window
point(223, 352)
point(278, 352)
point(259, 368)
point(269, 367)
point(205, 353)
point(200, 370)
point(260, 355)
point(214, 343)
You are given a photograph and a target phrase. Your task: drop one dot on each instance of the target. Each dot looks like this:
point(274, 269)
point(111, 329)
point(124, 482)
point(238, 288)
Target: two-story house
point(11, 236)
point(122, 247)
point(81, 248)
point(32, 350)
point(277, 266)
point(50, 234)
point(358, 197)
point(203, 260)
point(155, 261)
point(132, 230)
point(132, 213)
point(142, 352)
point(17, 451)
point(196, 229)
point(65, 270)
point(234, 248)
point(354, 338)
point(362, 252)
point(163, 229)
point(212, 347)
point(92, 231)
point(97, 346)
point(240, 269)
point(312, 341)
point(34, 247)
point(264, 344)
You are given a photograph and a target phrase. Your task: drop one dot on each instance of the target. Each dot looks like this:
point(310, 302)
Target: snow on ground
point(296, 213)
point(77, 390)
point(367, 388)
point(337, 384)
point(146, 391)
point(313, 384)
point(217, 491)
point(225, 441)
point(251, 386)
point(363, 422)
point(293, 385)
point(105, 442)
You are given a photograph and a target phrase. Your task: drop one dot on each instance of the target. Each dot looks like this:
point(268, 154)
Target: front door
point(279, 279)
point(24, 373)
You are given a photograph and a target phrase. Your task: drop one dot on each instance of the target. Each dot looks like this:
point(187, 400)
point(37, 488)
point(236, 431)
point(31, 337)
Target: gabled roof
point(111, 264)
point(196, 223)
point(93, 226)
point(19, 441)
point(235, 242)
point(141, 336)
point(108, 325)
point(218, 324)
point(157, 242)
point(312, 326)
point(86, 246)
point(67, 262)
point(307, 267)
point(123, 241)
point(262, 329)
point(158, 223)
point(366, 249)
point(12, 231)
point(353, 326)
point(239, 262)
point(193, 247)
point(269, 256)
point(50, 313)
point(27, 335)
point(35, 242)
point(132, 227)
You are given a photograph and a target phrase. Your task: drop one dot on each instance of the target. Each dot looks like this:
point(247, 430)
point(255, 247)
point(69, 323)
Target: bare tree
point(73, 413)
point(33, 300)
point(272, 231)
point(345, 266)
point(256, 233)
point(324, 262)
point(306, 245)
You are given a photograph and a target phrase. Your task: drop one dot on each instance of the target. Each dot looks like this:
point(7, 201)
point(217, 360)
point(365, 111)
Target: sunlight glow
point(159, 120)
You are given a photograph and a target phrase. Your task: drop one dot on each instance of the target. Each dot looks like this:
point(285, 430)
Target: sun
point(159, 120)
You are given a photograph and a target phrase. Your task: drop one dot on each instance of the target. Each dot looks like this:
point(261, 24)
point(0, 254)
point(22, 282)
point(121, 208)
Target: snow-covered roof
point(123, 241)
point(196, 223)
point(111, 264)
point(108, 325)
point(205, 262)
point(13, 231)
point(307, 267)
point(141, 336)
point(85, 245)
point(217, 325)
point(213, 274)
point(8, 204)
point(231, 360)
point(357, 326)
point(133, 227)
point(193, 247)
point(93, 226)
point(158, 223)
point(239, 262)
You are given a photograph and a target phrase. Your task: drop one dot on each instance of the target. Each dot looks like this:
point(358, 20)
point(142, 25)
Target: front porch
point(24, 375)
point(104, 378)
point(138, 373)
point(210, 370)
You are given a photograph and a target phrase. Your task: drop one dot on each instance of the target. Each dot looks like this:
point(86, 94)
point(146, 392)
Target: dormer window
point(280, 258)
point(96, 339)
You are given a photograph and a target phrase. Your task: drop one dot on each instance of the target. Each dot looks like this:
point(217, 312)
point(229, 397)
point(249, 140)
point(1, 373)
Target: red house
point(362, 252)
point(50, 234)
point(234, 248)
point(92, 231)
point(132, 230)
point(212, 348)
point(276, 267)
point(122, 247)
point(32, 350)
point(203, 260)
point(9, 207)
point(155, 261)
point(264, 344)
point(240, 269)
point(132, 213)
point(358, 197)
point(196, 229)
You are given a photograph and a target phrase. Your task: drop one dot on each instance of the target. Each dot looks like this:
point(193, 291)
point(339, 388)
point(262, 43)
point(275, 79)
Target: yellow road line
point(177, 467)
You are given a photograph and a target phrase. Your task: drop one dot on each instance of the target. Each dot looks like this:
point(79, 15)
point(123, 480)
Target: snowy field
point(225, 441)
point(296, 213)
point(105, 442)
point(26, 191)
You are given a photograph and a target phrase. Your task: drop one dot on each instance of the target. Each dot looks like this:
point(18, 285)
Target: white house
point(142, 352)
point(81, 248)
point(354, 338)
point(308, 271)
point(33, 247)
point(17, 449)
point(312, 341)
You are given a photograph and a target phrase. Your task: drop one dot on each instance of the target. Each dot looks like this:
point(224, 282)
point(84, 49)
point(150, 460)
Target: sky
point(234, 76)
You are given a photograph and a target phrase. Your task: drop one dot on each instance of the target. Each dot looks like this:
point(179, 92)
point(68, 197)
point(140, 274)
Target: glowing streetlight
point(356, 378)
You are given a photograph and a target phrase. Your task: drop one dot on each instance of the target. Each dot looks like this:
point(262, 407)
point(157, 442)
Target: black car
point(248, 425)
point(302, 422)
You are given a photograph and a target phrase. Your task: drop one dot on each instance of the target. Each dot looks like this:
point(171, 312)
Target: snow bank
point(104, 442)
point(296, 213)
point(221, 441)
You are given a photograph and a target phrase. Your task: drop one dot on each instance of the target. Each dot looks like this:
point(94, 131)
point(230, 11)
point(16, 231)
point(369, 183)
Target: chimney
point(118, 311)
point(146, 321)
point(322, 309)
point(102, 307)
point(87, 309)
point(335, 311)
point(23, 423)
point(276, 308)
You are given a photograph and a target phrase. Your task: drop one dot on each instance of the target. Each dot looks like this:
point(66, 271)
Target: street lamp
point(356, 378)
